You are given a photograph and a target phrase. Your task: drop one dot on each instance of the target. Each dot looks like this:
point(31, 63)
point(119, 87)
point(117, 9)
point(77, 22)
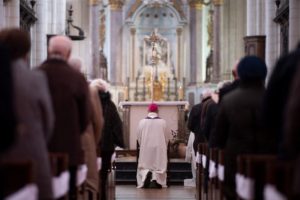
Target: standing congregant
point(71, 102)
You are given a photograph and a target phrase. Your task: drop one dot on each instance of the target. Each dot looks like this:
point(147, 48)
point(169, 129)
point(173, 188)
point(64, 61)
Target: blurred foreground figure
point(7, 109)
point(153, 158)
point(33, 110)
point(71, 102)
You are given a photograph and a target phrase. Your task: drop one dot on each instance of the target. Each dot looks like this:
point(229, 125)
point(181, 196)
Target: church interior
point(88, 85)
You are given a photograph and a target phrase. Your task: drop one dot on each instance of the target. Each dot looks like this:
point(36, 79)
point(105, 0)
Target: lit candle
point(180, 93)
point(126, 93)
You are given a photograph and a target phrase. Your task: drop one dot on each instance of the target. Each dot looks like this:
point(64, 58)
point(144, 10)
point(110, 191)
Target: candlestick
point(126, 95)
point(180, 93)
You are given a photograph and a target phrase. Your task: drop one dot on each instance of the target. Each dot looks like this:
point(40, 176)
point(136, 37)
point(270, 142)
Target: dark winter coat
point(112, 134)
point(72, 108)
point(291, 130)
point(239, 128)
point(227, 89)
point(194, 123)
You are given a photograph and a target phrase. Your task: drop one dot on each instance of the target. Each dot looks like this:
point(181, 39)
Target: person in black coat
point(239, 127)
point(194, 122)
point(112, 136)
point(276, 97)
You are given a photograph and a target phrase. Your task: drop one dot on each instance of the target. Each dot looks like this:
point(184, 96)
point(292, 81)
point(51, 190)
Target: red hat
point(152, 107)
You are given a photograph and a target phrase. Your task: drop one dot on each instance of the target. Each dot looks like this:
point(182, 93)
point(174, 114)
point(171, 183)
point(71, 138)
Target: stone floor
point(130, 192)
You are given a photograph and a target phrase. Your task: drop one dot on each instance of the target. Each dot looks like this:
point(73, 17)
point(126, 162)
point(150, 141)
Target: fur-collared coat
point(92, 137)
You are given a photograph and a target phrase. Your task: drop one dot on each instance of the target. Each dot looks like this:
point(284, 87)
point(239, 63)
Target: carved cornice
point(178, 6)
point(134, 7)
point(116, 4)
point(132, 31)
point(218, 2)
point(196, 4)
point(93, 2)
point(179, 31)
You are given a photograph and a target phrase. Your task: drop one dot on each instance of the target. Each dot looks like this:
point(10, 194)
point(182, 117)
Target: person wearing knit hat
point(152, 161)
point(252, 68)
point(239, 126)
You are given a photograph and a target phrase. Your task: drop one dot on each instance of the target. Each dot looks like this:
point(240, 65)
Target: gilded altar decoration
point(210, 29)
point(156, 51)
point(218, 2)
point(94, 2)
point(116, 4)
point(197, 4)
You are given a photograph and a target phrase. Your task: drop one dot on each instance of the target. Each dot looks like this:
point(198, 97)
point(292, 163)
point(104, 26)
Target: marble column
point(61, 7)
point(12, 13)
point(195, 41)
point(93, 70)
point(251, 17)
point(294, 18)
point(271, 36)
point(115, 20)
point(179, 54)
point(216, 74)
point(40, 31)
point(132, 53)
point(1, 14)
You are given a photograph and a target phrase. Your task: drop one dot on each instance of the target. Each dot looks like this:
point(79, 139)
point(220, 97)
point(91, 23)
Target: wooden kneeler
point(221, 171)
point(15, 176)
point(60, 174)
point(279, 178)
point(252, 169)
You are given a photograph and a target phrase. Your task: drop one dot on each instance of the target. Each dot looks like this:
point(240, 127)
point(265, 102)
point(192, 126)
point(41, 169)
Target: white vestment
point(153, 141)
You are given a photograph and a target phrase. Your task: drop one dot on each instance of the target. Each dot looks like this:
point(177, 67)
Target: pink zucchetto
point(153, 107)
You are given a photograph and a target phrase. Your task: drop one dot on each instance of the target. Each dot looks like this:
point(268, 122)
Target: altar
point(171, 111)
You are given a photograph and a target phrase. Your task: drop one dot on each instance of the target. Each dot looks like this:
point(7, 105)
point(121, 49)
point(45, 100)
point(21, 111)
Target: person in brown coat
point(92, 135)
point(71, 102)
point(33, 111)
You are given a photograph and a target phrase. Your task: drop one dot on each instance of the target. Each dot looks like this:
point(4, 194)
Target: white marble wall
point(82, 49)
point(272, 36)
point(12, 13)
point(255, 17)
point(234, 26)
point(294, 19)
point(39, 33)
point(1, 14)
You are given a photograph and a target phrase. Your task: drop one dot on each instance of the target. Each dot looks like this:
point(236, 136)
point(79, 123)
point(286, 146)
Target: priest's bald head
point(60, 47)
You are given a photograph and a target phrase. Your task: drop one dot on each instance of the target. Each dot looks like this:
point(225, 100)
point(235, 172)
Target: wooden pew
point(221, 173)
point(279, 178)
point(17, 177)
point(213, 185)
point(60, 174)
point(201, 159)
point(251, 172)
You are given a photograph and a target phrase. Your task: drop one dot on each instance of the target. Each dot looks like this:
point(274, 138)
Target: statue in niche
point(156, 70)
point(209, 67)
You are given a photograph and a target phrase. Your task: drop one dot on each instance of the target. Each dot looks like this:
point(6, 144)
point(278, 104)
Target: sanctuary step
point(126, 171)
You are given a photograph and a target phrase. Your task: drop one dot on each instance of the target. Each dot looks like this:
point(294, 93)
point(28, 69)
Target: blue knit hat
point(252, 68)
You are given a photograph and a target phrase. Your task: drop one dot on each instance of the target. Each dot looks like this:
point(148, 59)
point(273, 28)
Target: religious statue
point(158, 79)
